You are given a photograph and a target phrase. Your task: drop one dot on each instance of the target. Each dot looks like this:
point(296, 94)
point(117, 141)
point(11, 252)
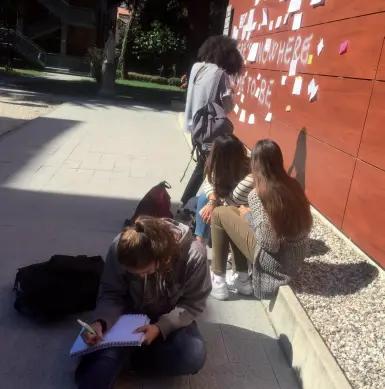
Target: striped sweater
point(238, 196)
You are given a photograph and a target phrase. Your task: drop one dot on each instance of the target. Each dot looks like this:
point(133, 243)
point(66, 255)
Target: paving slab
point(67, 182)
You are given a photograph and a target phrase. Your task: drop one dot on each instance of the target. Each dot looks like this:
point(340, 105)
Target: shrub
point(147, 78)
point(174, 81)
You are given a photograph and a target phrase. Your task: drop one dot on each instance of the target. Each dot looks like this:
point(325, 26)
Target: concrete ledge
point(307, 353)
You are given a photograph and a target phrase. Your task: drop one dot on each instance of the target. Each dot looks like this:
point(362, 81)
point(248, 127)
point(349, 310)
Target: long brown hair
point(281, 195)
point(227, 164)
point(149, 239)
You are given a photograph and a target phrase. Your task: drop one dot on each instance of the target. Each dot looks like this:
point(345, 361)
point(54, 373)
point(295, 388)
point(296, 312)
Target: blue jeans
point(182, 353)
point(201, 229)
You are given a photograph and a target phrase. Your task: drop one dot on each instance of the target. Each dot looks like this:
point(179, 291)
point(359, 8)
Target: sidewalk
point(67, 182)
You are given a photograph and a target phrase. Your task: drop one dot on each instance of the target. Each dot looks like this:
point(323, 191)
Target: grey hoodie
point(174, 301)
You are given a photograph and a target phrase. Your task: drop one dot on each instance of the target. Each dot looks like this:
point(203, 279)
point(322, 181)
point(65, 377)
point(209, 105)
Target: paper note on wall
point(236, 108)
point(267, 44)
point(251, 119)
point(235, 33)
point(313, 93)
point(248, 35)
point(265, 17)
point(250, 20)
point(242, 98)
point(283, 80)
point(297, 86)
point(244, 34)
point(253, 52)
point(311, 86)
point(256, 2)
point(257, 92)
point(269, 117)
point(286, 19)
point(294, 6)
point(317, 2)
point(320, 47)
point(259, 76)
point(242, 20)
point(271, 25)
point(293, 67)
point(310, 59)
point(278, 22)
point(297, 21)
point(242, 116)
point(344, 47)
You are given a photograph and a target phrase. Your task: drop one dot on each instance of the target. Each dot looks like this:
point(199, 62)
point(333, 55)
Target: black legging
point(196, 179)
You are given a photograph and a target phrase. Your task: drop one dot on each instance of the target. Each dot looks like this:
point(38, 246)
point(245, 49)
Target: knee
point(194, 355)
point(216, 215)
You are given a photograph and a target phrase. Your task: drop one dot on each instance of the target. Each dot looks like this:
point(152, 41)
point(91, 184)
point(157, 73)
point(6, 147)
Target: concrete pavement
point(67, 182)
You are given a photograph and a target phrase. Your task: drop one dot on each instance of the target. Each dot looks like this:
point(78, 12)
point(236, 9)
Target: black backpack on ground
point(62, 286)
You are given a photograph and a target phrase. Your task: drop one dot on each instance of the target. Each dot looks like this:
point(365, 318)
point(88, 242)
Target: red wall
point(335, 145)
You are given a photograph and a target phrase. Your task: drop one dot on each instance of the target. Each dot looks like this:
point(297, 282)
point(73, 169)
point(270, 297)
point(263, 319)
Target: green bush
point(153, 79)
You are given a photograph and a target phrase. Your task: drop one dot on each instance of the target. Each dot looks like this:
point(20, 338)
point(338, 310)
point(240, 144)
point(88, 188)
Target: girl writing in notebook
point(155, 268)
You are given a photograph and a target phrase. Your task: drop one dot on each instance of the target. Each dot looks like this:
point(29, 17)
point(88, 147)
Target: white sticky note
point(297, 21)
point(286, 19)
point(267, 44)
point(294, 6)
point(293, 67)
point(253, 52)
point(283, 80)
point(257, 92)
point(278, 22)
point(269, 117)
point(242, 116)
point(297, 86)
point(244, 34)
point(320, 46)
point(235, 33)
point(271, 25)
point(259, 27)
point(248, 35)
point(251, 119)
point(259, 76)
point(265, 17)
point(317, 2)
point(236, 109)
point(311, 86)
point(254, 26)
point(256, 2)
point(242, 98)
point(313, 93)
point(242, 20)
point(250, 19)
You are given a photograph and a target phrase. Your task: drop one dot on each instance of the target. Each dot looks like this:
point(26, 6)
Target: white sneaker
point(241, 282)
point(219, 287)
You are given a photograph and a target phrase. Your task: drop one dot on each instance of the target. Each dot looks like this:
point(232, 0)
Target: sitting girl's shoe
point(219, 287)
point(241, 282)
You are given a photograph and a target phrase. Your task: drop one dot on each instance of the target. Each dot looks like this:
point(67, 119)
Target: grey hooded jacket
point(175, 301)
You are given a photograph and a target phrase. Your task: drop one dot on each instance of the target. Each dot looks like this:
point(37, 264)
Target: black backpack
point(210, 121)
point(62, 286)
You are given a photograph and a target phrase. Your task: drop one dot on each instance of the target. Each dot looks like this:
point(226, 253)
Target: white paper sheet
point(259, 27)
point(242, 116)
point(236, 109)
point(256, 2)
point(317, 2)
point(283, 80)
point(242, 20)
point(297, 86)
point(250, 20)
point(267, 44)
point(271, 25)
point(265, 16)
point(293, 67)
point(311, 86)
point(248, 35)
point(313, 93)
point(297, 21)
point(251, 119)
point(259, 76)
point(286, 19)
point(244, 34)
point(235, 33)
point(278, 22)
point(253, 52)
point(242, 98)
point(294, 6)
point(320, 46)
point(257, 92)
point(269, 117)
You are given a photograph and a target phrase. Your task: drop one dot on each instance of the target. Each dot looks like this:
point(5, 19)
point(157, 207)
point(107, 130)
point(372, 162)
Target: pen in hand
point(87, 327)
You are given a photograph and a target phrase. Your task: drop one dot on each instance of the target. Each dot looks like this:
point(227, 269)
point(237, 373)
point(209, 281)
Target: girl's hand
point(206, 212)
point(243, 210)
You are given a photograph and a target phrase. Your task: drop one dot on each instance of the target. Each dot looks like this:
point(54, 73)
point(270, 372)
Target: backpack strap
point(214, 89)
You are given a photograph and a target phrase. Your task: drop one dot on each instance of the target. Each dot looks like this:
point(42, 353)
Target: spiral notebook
point(120, 335)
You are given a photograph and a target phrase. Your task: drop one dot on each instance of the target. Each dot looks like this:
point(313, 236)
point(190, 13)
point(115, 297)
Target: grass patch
point(22, 72)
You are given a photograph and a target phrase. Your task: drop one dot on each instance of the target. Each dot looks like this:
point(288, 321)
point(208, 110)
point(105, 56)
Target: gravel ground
point(344, 296)
point(15, 110)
